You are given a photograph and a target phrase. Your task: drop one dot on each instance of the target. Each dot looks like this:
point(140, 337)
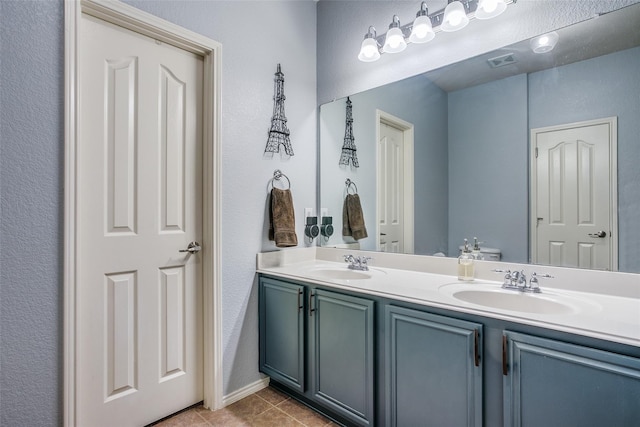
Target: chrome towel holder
point(350, 184)
point(277, 176)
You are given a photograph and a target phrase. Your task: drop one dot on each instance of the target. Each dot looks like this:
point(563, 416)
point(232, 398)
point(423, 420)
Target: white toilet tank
point(488, 254)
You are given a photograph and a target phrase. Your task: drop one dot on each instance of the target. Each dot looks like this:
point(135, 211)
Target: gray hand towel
point(353, 218)
point(282, 220)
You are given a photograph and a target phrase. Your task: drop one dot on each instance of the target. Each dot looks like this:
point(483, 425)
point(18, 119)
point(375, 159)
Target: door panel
point(172, 139)
point(391, 188)
point(573, 196)
point(139, 339)
point(282, 332)
point(121, 334)
point(433, 369)
point(552, 383)
point(343, 355)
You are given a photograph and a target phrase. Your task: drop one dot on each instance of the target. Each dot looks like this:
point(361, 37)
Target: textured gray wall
point(601, 87)
point(417, 101)
point(488, 170)
point(31, 177)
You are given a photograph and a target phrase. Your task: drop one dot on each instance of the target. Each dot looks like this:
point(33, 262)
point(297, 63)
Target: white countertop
point(610, 311)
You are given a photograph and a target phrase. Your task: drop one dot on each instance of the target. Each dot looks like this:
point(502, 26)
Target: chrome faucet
point(517, 280)
point(357, 262)
point(513, 279)
point(533, 285)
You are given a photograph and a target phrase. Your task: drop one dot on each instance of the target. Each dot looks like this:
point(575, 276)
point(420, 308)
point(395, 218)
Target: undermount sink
point(491, 295)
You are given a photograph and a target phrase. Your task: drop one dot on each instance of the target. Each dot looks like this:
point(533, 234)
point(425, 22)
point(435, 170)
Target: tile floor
point(266, 408)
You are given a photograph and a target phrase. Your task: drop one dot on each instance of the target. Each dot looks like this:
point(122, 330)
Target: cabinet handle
point(476, 352)
point(505, 367)
point(299, 300)
point(311, 309)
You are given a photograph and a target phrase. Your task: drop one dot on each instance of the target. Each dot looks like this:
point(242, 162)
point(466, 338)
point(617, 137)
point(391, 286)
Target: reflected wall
point(471, 151)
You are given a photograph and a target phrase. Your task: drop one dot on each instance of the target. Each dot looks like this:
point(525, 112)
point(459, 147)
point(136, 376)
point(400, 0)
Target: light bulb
point(422, 30)
point(369, 50)
point(544, 43)
point(490, 8)
point(490, 5)
point(455, 17)
point(394, 42)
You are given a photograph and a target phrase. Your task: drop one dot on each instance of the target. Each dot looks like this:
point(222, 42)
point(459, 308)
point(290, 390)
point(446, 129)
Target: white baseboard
point(245, 391)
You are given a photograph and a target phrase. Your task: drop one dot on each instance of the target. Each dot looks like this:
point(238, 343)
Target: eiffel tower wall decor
point(279, 133)
point(349, 146)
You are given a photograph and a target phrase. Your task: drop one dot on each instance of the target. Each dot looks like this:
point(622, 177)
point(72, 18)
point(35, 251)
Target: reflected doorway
point(573, 199)
point(395, 184)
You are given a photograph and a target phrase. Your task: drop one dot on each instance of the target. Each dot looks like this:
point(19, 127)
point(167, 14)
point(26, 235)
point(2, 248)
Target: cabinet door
point(342, 348)
point(433, 371)
point(552, 383)
point(282, 332)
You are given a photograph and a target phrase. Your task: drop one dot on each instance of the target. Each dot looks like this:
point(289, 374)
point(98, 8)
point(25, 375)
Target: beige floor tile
point(257, 410)
point(237, 414)
point(302, 413)
point(272, 395)
point(274, 418)
point(224, 418)
point(185, 419)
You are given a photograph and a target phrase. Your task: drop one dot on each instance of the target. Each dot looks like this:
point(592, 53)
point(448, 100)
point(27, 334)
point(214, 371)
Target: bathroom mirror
point(470, 123)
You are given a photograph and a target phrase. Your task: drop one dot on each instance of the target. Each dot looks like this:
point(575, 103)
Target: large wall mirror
point(506, 147)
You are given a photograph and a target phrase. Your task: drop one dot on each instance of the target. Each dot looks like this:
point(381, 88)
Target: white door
point(572, 222)
point(139, 300)
point(391, 189)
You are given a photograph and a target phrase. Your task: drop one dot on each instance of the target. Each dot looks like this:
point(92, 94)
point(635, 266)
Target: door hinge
point(536, 152)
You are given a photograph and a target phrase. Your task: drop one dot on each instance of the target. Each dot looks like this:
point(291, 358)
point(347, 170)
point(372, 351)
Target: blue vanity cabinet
point(319, 344)
point(554, 383)
point(282, 332)
point(433, 370)
point(342, 351)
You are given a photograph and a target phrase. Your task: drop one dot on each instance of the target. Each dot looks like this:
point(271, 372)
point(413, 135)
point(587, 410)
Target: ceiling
point(607, 33)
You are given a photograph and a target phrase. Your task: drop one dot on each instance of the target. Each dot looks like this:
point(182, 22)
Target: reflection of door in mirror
point(395, 184)
point(572, 212)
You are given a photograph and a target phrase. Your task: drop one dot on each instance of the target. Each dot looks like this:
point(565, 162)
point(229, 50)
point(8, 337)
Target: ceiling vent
point(501, 61)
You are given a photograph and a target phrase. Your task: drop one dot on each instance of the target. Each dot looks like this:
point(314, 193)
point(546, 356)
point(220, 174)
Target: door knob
point(600, 234)
point(192, 248)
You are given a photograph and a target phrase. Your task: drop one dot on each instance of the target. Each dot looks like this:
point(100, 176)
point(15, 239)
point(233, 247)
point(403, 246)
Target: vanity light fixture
point(394, 42)
point(422, 30)
point(488, 9)
point(369, 50)
point(454, 17)
point(544, 43)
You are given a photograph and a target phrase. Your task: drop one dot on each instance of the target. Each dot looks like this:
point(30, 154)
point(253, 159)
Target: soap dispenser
point(476, 253)
point(465, 263)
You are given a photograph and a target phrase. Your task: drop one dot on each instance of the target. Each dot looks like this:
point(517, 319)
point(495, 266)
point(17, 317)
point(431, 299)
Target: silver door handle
point(192, 248)
point(601, 234)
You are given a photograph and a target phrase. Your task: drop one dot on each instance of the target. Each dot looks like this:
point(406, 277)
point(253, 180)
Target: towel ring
point(350, 183)
point(277, 175)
